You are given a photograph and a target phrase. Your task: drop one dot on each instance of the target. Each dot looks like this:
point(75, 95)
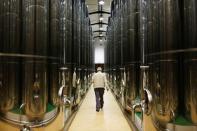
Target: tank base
point(148, 125)
point(56, 125)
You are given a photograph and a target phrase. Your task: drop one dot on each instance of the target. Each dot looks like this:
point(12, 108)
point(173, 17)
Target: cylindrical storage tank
point(132, 21)
point(76, 45)
point(110, 45)
point(69, 23)
point(87, 21)
point(35, 41)
point(82, 47)
point(149, 44)
point(121, 89)
point(125, 42)
point(132, 47)
point(10, 40)
point(82, 54)
point(53, 51)
point(131, 87)
point(152, 45)
point(66, 31)
point(66, 22)
point(117, 47)
point(190, 60)
point(165, 64)
point(74, 31)
point(77, 31)
point(113, 47)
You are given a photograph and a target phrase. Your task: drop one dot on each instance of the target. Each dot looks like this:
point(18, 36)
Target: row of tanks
point(151, 61)
point(46, 58)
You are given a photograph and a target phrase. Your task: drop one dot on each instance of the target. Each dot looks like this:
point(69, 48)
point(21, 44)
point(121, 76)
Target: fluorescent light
point(101, 28)
point(101, 2)
point(101, 18)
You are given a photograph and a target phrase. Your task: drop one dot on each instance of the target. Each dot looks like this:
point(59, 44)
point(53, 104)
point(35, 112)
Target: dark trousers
point(99, 97)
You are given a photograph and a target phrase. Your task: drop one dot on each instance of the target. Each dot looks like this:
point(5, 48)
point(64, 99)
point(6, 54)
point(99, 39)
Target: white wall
point(99, 52)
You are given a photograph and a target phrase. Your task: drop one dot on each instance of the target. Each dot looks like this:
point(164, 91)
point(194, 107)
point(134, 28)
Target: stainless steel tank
point(66, 22)
point(66, 31)
point(165, 68)
point(190, 60)
point(131, 86)
point(69, 32)
point(77, 9)
point(66, 80)
point(125, 42)
point(10, 34)
point(35, 35)
point(77, 31)
point(117, 46)
point(83, 28)
point(54, 49)
point(133, 50)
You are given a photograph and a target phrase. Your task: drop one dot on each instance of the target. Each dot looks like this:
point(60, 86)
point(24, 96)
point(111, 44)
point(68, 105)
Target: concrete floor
point(110, 118)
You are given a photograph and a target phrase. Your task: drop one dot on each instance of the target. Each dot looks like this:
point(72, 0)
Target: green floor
point(17, 110)
point(179, 120)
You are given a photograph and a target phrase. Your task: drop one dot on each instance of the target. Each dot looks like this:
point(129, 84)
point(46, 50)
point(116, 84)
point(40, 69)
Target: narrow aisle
point(109, 119)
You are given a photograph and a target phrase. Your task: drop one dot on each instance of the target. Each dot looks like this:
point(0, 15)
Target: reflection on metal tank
point(9, 45)
point(54, 48)
point(131, 90)
point(165, 64)
point(66, 80)
point(166, 97)
point(190, 34)
point(77, 31)
point(35, 32)
point(132, 71)
point(66, 30)
point(66, 44)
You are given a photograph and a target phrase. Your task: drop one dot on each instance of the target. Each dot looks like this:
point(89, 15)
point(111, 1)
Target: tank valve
point(78, 81)
point(26, 128)
point(66, 100)
point(21, 107)
point(60, 92)
point(147, 102)
point(134, 106)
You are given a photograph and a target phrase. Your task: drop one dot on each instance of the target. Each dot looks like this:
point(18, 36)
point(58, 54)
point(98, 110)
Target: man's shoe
point(97, 110)
point(102, 106)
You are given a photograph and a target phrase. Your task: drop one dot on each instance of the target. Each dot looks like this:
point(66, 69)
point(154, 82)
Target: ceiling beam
point(99, 12)
point(99, 37)
point(99, 31)
point(99, 23)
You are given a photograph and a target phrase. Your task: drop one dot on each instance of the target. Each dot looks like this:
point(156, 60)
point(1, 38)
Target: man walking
point(99, 83)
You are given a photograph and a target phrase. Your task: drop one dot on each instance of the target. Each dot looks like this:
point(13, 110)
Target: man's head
point(99, 69)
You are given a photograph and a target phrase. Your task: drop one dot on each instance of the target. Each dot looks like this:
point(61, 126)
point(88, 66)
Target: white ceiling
point(94, 18)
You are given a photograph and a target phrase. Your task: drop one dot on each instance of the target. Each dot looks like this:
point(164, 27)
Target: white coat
point(99, 80)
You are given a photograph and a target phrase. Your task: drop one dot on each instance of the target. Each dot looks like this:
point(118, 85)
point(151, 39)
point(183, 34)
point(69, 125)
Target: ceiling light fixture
point(101, 2)
point(101, 28)
point(101, 18)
